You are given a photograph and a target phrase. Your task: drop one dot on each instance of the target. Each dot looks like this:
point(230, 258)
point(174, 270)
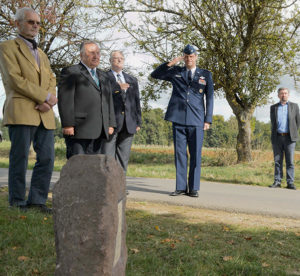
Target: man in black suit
point(85, 103)
point(126, 98)
point(285, 121)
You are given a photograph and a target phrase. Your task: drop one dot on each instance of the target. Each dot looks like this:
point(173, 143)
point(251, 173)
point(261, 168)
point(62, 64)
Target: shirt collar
point(88, 68)
point(284, 105)
point(115, 73)
point(28, 43)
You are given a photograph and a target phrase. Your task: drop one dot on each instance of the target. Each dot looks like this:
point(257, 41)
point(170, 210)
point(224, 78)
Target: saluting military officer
point(190, 115)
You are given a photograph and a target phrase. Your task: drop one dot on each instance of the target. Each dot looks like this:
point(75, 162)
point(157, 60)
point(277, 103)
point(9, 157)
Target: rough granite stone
point(89, 217)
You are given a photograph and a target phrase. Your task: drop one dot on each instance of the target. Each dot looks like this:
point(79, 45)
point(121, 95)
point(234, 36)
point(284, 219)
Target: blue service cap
point(189, 49)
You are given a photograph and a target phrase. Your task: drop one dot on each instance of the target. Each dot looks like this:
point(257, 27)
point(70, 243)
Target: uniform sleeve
point(164, 72)
point(209, 91)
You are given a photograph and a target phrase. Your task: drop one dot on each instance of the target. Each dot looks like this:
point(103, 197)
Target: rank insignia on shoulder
point(178, 76)
point(202, 81)
point(117, 92)
point(201, 90)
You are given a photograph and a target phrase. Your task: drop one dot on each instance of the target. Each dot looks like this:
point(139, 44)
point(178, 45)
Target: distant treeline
point(156, 131)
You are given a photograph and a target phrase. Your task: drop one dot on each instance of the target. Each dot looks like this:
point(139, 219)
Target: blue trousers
point(284, 147)
point(21, 137)
point(191, 137)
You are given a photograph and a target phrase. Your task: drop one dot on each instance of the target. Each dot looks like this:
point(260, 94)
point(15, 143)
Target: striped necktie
point(123, 92)
point(93, 72)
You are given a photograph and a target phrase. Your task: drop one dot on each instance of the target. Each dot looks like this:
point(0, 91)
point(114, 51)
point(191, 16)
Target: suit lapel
point(26, 52)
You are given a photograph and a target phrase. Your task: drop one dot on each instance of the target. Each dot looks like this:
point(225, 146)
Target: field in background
point(218, 165)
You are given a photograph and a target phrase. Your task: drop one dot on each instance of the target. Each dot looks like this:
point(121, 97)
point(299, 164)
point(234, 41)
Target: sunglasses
point(32, 22)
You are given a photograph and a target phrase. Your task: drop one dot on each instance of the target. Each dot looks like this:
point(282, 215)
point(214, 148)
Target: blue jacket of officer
point(187, 105)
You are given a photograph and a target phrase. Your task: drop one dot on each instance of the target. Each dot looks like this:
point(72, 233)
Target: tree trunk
point(243, 145)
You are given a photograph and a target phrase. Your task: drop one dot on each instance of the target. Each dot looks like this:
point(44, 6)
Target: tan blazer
point(26, 85)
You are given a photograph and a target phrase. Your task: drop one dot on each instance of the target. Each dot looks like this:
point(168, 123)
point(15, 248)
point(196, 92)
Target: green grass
point(157, 245)
point(218, 165)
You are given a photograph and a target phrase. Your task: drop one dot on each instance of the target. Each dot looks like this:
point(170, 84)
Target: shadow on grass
point(157, 245)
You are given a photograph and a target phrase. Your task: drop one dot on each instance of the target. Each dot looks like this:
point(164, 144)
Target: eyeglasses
point(32, 22)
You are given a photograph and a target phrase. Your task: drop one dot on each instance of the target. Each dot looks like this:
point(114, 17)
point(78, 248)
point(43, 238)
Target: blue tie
point(93, 71)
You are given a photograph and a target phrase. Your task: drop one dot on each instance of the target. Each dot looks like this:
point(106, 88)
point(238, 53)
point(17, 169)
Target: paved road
point(218, 196)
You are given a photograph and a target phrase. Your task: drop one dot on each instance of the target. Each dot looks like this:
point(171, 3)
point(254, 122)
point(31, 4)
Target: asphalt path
point(217, 196)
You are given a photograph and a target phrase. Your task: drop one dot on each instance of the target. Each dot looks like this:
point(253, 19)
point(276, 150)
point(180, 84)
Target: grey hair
point(283, 88)
point(20, 14)
point(114, 52)
point(85, 43)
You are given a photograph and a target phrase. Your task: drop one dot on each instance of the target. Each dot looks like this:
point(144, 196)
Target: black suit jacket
point(84, 105)
point(294, 121)
point(130, 110)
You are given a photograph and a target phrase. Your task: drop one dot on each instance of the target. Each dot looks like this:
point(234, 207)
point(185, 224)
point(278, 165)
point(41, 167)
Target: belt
point(282, 134)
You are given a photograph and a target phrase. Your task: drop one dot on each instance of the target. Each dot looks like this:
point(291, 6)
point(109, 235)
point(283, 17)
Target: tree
point(155, 130)
point(247, 44)
point(64, 25)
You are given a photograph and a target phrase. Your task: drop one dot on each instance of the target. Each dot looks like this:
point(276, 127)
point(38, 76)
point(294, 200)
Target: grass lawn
point(164, 240)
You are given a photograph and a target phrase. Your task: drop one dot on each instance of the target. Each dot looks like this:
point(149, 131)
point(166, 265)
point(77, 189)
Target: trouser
point(284, 147)
point(119, 146)
point(21, 137)
point(191, 136)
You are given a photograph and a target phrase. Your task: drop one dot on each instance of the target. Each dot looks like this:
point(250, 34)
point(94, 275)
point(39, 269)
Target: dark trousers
point(82, 146)
point(119, 146)
point(191, 136)
point(284, 147)
point(21, 137)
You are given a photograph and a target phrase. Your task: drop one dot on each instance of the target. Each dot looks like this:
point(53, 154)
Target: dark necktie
point(32, 41)
point(189, 75)
point(123, 92)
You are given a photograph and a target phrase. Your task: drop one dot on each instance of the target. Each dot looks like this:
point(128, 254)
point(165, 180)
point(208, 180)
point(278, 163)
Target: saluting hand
point(175, 61)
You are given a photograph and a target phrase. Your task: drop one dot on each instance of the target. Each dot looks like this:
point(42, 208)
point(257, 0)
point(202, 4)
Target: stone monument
point(89, 217)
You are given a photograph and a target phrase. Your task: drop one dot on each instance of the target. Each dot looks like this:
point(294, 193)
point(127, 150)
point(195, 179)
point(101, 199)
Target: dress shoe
point(40, 207)
point(178, 192)
point(291, 187)
point(275, 185)
point(193, 193)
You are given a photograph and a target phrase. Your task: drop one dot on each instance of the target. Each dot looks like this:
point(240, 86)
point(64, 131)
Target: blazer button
point(122, 112)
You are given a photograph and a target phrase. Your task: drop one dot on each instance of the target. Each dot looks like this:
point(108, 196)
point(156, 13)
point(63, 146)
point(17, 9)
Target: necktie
point(32, 41)
point(93, 72)
point(189, 75)
point(123, 92)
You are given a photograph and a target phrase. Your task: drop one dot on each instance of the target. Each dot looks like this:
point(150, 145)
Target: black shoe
point(178, 192)
point(291, 187)
point(40, 207)
point(193, 194)
point(275, 185)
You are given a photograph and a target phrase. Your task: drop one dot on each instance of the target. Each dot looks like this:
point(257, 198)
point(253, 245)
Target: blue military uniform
point(188, 111)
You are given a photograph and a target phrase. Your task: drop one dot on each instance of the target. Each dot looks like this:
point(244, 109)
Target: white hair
point(20, 14)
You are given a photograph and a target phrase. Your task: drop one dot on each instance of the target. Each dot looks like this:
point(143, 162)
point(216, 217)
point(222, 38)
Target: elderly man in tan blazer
point(30, 95)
